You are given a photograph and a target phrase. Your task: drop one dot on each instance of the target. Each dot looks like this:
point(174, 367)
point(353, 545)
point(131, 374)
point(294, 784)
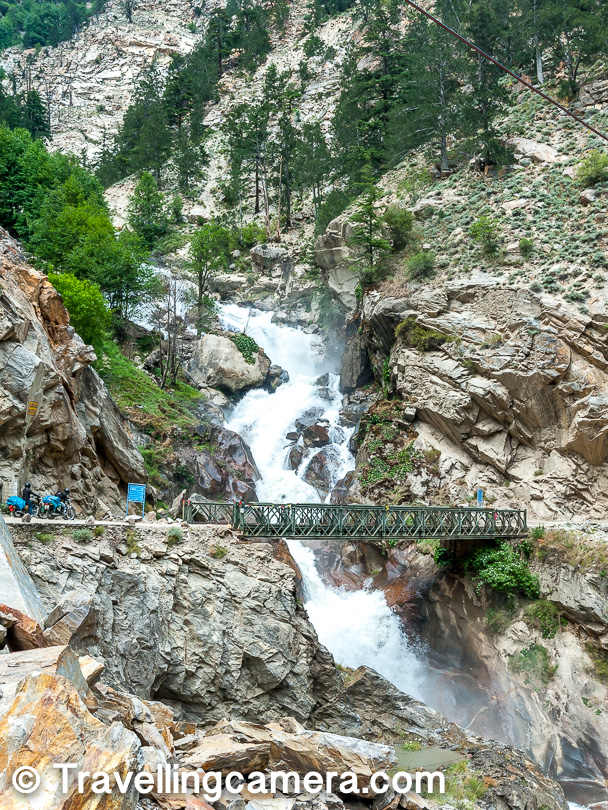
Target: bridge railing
point(328, 520)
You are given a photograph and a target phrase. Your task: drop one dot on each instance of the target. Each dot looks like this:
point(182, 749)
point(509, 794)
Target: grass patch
point(535, 664)
point(419, 337)
point(174, 536)
point(98, 531)
point(499, 618)
point(218, 552)
point(154, 410)
point(43, 537)
point(462, 788)
point(579, 550)
point(133, 546)
point(82, 535)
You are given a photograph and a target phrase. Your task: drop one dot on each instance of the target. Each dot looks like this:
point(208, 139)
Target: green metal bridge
point(302, 520)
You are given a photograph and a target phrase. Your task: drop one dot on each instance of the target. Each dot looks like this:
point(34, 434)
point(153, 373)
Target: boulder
point(319, 473)
point(333, 256)
point(315, 433)
point(587, 197)
point(16, 585)
point(48, 716)
point(72, 620)
point(537, 152)
point(22, 632)
point(356, 369)
point(295, 456)
point(272, 260)
point(217, 361)
point(277, 376)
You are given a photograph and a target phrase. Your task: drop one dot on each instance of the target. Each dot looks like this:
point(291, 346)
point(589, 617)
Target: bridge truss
point(269, 520)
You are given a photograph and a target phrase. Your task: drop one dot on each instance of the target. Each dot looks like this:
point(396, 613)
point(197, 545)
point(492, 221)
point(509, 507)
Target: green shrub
point(99, 530)
point(82, 535)
point(44, 537)
point(313, 46)
point(600, 662)
point(485, 230)
point(89, 313)
point(499, 618)
point(537, 532)
point(535, 287)
point(526, 247)
point(335, 203)
point(535, 663)
point(592, 169)
point(504, 570)
point(419, 337)
point(218, 552)
point(421, 265)
point(174, 536)
point(400, 223)
point(132, 544)
point(545, 616)
point(247, 347)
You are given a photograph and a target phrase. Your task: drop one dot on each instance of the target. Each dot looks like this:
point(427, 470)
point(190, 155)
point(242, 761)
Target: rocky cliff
point(211, 627)
point(58, 424)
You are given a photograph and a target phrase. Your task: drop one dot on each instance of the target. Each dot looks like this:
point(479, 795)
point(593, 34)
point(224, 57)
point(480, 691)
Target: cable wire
point(507, 70)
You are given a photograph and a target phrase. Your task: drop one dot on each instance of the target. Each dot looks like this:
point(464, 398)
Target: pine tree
point(147, 214)
point(368, 232)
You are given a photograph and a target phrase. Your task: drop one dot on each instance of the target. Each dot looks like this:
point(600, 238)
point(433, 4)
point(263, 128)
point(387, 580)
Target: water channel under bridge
point(450, 525)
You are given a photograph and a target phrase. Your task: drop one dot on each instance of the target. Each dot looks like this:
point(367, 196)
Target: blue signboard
point(480, 498)
point(136, 493)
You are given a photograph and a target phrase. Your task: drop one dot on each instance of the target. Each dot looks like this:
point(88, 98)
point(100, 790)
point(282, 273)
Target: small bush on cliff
point(592, 169)
point(82, 535)
point(504, 570)
point(486, 231)
point(174, 536)
point(600, 662)
point(421, 265)
point(218, 552)
point(534, 662)
point(545, 616)
point(400, 223)
point(419, 337)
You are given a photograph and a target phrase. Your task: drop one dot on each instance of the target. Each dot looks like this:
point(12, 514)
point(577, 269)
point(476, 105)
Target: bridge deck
point(328, 520)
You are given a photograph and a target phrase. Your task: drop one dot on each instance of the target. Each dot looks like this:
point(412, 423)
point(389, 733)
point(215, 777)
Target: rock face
point(217, 637)
point(16, 585)
point(72, 435)
point(509, 390)
point(333, 257)
point(355, 370)
point(217, 362)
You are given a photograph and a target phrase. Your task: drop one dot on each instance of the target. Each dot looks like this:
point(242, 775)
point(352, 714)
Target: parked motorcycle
point(17, 507)
point(53, 507)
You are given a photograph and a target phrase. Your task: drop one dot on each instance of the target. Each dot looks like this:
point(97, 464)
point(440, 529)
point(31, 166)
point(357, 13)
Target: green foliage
point(82, 535)
point(37, 23)
point(174, 536)
point(592, 169)
point(599, 658)
point(24, 110)
point(335, 203)
point(526, 247)
point(367, 227)
point(545, 616)
point(485, 230)
point(400, 224)
point(534, 662)
point(504, 570)
point(147, 214)
point(421, 265)
point(537, 532)
point(499, 618)
point(44, 537)
point(209, 254)
point(157, 410)
point(419, 337)
point(98, 531)
point(218, 552)
point(313, 46)
point(89, 314)
point(133, 546)
point(247, 347)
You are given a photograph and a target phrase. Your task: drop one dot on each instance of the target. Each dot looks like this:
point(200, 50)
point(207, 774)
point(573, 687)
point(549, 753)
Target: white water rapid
point(263, 419)
point(357, 627)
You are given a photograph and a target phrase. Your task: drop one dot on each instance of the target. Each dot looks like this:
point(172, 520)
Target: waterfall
point(263, 419)
point(358, 627)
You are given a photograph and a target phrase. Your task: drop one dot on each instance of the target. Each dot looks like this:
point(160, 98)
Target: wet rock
point(314, 432)
point(276, 376)
point(216, 361)
point(323, 380)
point(294, 459)
point(319, 473)
point(292, 436)
point(356, 370)
point(327, 394)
